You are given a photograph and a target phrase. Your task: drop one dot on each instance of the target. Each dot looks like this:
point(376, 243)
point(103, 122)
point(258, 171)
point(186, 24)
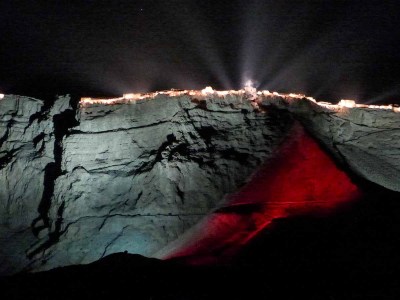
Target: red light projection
point(300, 179)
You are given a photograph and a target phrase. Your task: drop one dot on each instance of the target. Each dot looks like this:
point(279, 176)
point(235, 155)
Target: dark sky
point(326, 49)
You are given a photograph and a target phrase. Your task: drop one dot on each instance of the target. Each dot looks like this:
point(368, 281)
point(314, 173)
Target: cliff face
point(126, 177)
point(28, 145)
point(366, 139)
point(77, 184)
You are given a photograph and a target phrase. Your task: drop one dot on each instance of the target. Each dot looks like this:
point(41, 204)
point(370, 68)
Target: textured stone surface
point(133, 177)
point(79, 184)
point(366, 139)
point(27, 143)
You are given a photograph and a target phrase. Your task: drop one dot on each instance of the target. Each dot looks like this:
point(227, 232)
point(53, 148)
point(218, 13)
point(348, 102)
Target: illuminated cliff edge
point(77, 184)
point(252, 94)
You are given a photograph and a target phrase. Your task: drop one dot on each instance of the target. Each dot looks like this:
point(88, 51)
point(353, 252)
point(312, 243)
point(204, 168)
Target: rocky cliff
point(135, 173)
point(364, 138)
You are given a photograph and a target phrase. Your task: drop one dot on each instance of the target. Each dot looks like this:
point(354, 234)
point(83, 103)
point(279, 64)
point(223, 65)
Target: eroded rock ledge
point(77, 184)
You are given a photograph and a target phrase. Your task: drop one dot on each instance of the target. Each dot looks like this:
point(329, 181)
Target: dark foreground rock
point(352, 254)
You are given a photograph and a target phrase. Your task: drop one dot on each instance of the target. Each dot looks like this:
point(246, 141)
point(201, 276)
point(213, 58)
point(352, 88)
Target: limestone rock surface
point(79, 183)
point(126, 177)
point(27, 145)
point(365, 139)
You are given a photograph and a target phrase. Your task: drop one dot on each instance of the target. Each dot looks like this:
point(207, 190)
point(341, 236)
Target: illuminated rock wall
point(27, 141)
point(134, 174)
point(366, 139)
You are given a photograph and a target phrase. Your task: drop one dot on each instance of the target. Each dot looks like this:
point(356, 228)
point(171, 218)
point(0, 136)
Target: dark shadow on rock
point(53, 236)
point(50, 173)
point(62, 123)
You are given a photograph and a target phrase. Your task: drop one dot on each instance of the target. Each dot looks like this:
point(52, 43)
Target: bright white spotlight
point(249, 88)
point(1, 96)
point(129, 96)
point(347, 103)
point(249, 83)
point(208, 90)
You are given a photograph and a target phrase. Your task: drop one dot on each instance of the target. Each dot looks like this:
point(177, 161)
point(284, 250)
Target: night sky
point(325, 49)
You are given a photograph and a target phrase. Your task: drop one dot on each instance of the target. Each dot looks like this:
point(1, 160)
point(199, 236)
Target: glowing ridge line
point(250, 93)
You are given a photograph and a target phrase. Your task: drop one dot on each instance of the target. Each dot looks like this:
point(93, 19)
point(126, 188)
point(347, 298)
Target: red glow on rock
point(300, 179)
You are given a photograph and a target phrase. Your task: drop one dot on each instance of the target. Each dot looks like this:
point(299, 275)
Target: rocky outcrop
point(126, 177)
point(77, 184)
point(366, 139)
point(28, 168)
